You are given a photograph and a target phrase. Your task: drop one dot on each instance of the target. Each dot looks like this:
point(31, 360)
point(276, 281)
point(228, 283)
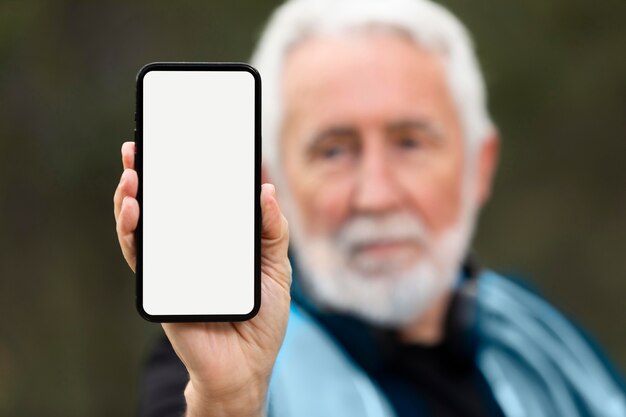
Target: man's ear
point(487, 164)
point(264, 175)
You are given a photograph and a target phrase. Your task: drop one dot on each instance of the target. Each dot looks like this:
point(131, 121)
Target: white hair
point(427, 23)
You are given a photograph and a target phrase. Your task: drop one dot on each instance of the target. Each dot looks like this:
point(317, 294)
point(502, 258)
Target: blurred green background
point(71, 342)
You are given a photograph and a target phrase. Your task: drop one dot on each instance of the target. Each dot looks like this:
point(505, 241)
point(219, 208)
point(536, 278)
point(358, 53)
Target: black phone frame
point(199, 66)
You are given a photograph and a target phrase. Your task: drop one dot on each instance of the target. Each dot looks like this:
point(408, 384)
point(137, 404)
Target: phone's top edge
point(190, 66)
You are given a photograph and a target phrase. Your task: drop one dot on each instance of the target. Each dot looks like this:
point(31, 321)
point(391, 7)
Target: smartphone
point(198, 159)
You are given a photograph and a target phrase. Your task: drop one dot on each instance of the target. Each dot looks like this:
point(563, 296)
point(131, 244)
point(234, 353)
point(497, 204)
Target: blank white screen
point(198, 192)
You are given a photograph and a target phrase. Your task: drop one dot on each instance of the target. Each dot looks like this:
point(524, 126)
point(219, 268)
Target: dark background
point(71, 342)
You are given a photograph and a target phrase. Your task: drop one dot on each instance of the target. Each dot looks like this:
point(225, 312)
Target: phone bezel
point(199, 66)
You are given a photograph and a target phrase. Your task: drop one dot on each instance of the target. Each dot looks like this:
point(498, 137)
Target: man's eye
point(408, 143)
point(333, 152)
point(336, 152)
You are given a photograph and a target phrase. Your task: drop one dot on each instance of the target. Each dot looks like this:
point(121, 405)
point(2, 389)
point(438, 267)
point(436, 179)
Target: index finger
point(128, 155)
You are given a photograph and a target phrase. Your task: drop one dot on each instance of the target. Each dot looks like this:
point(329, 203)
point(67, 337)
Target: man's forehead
point(336, 76)
point(319, 59)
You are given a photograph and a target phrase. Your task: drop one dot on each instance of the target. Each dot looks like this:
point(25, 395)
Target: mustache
point(362, 230)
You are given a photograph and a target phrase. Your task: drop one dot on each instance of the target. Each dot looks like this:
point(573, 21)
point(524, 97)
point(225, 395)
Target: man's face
point(373, 156)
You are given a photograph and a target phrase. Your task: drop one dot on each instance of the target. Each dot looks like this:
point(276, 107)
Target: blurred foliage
point(71, 342)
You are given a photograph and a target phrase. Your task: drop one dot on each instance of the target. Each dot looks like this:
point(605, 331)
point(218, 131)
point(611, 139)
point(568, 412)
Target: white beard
point(387, 294)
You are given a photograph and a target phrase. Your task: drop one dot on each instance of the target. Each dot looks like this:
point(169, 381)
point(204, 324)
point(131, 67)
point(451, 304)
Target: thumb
point(275, 230)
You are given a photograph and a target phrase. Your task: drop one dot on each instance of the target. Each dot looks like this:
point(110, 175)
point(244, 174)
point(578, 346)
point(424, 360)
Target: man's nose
point(376, 190)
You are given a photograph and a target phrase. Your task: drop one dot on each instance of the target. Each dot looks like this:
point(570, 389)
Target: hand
point(229, 364)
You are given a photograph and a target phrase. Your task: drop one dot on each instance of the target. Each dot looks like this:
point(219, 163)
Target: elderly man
point(379, 142)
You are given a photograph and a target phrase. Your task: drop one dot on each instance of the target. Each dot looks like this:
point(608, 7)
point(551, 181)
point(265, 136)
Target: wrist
point(250, 401)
